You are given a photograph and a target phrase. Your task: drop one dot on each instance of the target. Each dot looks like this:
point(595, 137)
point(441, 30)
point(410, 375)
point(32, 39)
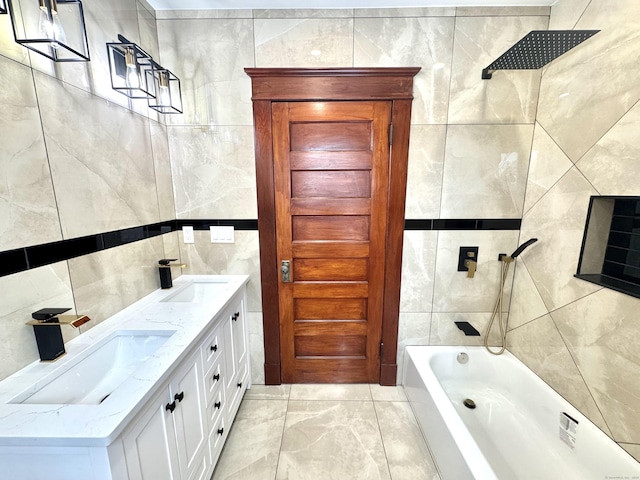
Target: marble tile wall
point(577, 336)
point(78, 158)
point(469, 151)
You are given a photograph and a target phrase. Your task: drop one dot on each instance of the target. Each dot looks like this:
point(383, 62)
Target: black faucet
point(46, 327)
point(165, 271)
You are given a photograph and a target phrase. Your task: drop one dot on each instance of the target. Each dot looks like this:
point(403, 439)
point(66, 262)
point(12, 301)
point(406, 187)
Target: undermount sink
point(197, 292)
point(98, 371)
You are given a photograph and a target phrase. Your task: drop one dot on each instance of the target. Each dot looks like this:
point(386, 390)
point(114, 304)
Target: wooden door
point(342, 289)
point(331, 176)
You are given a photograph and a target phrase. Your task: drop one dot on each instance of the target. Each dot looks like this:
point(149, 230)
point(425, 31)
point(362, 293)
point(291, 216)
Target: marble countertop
point(99, 425)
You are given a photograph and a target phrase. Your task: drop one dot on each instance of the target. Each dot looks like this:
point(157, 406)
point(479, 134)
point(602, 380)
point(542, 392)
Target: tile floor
point(325, 432)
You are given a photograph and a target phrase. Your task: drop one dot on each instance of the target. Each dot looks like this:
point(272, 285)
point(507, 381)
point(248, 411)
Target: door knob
point(285, 267)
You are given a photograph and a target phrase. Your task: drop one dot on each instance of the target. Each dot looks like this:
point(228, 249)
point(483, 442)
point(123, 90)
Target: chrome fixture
point(536, 49)
point(462, 358)
point(130, 69)
point(46, 327)
point(53, 28)
point(168, 97)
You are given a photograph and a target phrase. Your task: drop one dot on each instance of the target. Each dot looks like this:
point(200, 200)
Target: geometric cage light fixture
point(130, 69)
point(53, 28)
point(168, 98)
point(135, 74)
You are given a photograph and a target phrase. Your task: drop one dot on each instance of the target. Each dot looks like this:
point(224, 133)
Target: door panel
point(331, 166)
point(311, 269)
point(330, 309)
point(342, 184)
point(328, 136)
point(333, 227)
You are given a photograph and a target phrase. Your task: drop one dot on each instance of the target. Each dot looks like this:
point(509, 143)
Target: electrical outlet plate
point(187, 235)
point(222, 234)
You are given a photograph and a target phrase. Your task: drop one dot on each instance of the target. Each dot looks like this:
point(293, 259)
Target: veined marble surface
point(99, 425)
point(28, 214)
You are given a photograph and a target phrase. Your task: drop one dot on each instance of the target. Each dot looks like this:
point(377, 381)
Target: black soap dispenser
point(165, 271)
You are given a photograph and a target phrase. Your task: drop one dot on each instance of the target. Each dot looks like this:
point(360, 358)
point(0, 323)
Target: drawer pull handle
point(217, 405)
point(220, 431)
point(236, 316)
point(170, 406)
point(214, 348)
point(240, 385)
point(179, 396)
point(216, 377)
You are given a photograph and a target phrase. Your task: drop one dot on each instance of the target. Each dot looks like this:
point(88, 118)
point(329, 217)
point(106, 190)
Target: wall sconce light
point(3, 7)
point(130, 69)
point(168, 98)
point(53, 28)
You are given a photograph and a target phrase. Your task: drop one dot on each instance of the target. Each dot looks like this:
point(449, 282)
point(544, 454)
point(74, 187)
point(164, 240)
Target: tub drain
point(469, 403)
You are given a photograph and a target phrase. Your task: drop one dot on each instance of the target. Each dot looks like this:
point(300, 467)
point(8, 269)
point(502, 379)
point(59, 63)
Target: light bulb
point(131, 76)
point(164, 97)
point(51, 27)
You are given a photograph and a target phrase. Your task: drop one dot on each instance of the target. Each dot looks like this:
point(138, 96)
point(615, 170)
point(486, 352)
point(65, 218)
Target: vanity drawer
point(214, 380)
point(216, 407)
point(212, 348)
point(217, 437)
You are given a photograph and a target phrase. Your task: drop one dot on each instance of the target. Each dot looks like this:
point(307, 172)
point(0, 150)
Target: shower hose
point(497, 311)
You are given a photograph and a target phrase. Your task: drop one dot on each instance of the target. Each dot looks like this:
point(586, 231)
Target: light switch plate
point(222, 234)
point(187, 235)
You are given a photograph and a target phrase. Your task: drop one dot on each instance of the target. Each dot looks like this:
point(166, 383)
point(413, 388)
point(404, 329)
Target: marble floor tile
point(355, 392)
point(406, 450)
point(332, 440)
point(387, 394)
point(268, 392)
point(251, 451)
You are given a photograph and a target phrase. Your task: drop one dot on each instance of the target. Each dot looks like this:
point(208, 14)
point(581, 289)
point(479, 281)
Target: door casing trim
point(335, 84)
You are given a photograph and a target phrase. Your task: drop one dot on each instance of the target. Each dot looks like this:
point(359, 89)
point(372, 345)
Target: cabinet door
point(238, 326)
point(190, 415)
point(150, 444)
point(230, 367)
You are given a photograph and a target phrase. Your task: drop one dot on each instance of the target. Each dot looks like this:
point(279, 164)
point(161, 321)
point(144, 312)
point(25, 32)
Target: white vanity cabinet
point(181, 432)
point(170, 438)
point(167, 420)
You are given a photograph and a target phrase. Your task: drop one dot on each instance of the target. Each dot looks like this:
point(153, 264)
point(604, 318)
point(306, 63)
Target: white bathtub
point(521, 428)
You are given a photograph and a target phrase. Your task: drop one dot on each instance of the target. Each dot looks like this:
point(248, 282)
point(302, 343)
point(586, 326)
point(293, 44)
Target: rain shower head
point(521, 248)
point(536, 49)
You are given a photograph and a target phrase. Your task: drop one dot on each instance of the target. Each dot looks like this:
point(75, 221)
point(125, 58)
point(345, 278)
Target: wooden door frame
point(331, 84)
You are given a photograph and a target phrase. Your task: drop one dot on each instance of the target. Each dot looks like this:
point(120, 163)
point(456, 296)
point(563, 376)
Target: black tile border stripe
point(464, 224)
point(21, 259)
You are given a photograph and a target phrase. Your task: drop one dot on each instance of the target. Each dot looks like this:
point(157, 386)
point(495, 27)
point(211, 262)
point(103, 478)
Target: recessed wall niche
point(610, 254)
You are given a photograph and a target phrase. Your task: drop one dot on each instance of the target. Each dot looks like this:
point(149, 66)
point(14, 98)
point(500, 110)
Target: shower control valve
point(471, 267)
point(468, 260)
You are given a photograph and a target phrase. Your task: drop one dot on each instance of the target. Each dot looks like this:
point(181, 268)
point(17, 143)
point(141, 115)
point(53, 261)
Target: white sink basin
point(96, 373)
point(197, 292)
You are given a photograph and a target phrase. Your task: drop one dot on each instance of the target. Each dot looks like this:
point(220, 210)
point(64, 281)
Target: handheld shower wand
point(506, 260)
point(521, 248)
